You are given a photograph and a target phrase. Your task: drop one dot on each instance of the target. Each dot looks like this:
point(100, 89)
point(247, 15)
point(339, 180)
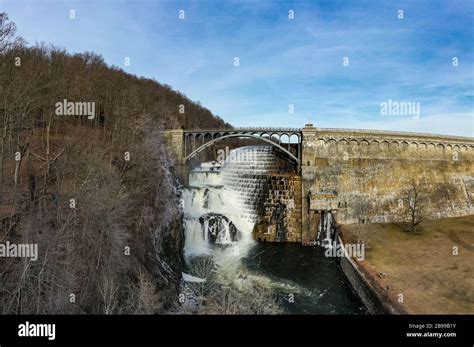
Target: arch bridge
point(288, 140)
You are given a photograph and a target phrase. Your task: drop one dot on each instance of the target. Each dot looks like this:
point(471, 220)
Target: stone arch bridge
point(195, 141)
point(340, 168)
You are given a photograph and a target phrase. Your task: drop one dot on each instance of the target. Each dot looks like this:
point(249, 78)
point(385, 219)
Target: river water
point(219, 214)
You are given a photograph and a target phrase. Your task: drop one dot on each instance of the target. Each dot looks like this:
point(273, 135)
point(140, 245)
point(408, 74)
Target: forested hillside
point(94, 193)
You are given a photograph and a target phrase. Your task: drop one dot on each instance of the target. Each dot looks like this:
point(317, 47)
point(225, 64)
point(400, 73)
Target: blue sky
point(283, 61)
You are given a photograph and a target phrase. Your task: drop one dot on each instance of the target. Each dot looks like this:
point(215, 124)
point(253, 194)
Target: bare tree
point(8, 37)
point(363, 211)
point(231, 300)
point(414, 202)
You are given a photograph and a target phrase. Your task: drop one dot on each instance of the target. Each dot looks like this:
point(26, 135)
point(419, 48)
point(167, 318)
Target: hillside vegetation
point(96, 194)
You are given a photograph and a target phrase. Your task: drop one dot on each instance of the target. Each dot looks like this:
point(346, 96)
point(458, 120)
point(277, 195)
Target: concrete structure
point(340, 169)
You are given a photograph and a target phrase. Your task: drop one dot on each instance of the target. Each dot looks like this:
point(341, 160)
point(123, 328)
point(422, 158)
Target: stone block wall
point(378, 167)
point(281, 210)
point(174, 141)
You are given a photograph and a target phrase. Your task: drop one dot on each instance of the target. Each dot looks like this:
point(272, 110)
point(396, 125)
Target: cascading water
point(326, 231)
point(211, 215)
point(218, 229)
point(220, 204)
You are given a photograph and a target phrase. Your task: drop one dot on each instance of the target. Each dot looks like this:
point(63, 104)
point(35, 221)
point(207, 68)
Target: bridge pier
point(174, 141)
point(309, 219)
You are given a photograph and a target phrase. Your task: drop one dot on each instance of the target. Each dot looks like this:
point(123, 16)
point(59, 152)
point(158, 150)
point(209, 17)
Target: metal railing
point(241, 129)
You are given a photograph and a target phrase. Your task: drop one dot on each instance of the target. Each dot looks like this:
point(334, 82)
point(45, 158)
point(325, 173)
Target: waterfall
point(221, 202)
point(326, 230)
point(218, 229)
point(210, 215)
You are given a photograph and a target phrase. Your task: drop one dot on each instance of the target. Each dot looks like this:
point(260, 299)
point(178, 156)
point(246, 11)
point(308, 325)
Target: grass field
point(422, 266)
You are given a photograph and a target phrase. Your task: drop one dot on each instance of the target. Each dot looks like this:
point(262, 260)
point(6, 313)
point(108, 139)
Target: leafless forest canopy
point(66, 185)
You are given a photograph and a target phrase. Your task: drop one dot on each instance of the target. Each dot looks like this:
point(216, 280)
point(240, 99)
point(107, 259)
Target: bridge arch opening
point(265, 138)
point(199, 139)
point(284, 139)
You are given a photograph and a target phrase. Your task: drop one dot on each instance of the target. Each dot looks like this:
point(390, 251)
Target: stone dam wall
point(280, 211)
point(375, 168)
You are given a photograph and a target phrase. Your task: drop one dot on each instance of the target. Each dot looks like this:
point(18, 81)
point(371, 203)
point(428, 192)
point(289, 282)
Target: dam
point(330, 172)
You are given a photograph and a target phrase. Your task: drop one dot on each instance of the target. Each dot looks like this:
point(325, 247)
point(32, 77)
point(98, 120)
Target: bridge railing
point(393, 133)
point(273, 129)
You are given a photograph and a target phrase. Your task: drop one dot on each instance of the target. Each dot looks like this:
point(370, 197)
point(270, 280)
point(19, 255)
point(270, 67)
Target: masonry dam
point(292, 180)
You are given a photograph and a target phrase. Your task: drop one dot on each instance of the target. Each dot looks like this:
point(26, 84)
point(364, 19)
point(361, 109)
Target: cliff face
point(157, 217)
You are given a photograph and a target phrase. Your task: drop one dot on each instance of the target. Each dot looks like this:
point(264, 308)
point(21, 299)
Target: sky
point(333, 63)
